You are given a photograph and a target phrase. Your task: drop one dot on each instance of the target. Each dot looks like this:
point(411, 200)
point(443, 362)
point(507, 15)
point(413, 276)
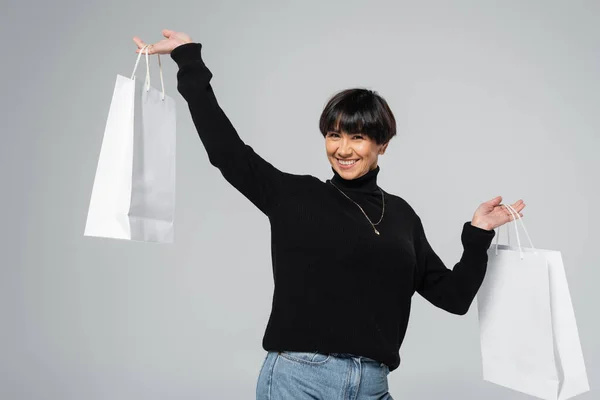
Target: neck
point(364, 183)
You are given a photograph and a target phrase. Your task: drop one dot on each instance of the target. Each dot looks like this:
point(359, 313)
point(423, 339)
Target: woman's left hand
point(492, 214)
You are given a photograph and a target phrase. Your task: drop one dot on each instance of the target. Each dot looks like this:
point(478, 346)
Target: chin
point(348, 174)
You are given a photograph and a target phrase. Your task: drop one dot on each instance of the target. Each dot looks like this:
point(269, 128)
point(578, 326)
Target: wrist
point(182, 43)
point(481, 225)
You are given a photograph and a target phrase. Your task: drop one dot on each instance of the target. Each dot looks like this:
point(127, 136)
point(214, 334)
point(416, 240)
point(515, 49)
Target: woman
point(347, 256)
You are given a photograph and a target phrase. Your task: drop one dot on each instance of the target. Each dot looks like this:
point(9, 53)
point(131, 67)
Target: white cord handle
point(147, 81)
point(516, 215)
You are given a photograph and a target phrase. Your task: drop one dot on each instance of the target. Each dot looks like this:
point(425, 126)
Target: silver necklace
point(363, 211)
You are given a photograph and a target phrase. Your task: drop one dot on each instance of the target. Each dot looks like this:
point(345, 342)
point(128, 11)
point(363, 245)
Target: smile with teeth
point(347, 162)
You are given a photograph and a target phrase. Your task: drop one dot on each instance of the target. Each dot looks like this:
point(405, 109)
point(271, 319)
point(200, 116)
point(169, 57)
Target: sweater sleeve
point(249, 173)
point(452, 290)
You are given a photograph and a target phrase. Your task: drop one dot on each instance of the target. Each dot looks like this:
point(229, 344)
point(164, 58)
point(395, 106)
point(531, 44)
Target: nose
point(345, 150)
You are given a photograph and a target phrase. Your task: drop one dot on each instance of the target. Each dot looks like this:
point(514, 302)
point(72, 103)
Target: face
point(359, 148)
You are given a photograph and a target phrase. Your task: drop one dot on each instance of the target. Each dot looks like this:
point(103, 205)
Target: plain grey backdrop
point(491, 98)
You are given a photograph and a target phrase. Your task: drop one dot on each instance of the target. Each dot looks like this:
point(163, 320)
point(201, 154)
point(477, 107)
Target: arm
point(452, 290)
point(249, 173)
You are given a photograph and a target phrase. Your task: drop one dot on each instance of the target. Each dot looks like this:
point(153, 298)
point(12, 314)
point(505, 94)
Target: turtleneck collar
point(365, 183)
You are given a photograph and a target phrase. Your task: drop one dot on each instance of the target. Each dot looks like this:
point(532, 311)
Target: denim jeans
point(294, 375)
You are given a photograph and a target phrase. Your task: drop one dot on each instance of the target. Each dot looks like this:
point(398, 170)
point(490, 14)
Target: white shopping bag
point(133, 196)
point(529, 337)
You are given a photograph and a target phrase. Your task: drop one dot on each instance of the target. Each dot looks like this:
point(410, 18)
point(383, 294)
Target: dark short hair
point(359, 110)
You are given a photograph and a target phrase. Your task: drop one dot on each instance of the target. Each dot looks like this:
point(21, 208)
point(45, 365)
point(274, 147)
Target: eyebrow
point(353, 134)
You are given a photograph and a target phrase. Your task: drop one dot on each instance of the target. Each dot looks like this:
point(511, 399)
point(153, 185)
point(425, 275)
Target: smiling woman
point(347, 255)
point(357, 125)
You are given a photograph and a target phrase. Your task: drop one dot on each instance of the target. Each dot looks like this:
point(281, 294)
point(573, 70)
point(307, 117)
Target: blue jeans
point(294, 375)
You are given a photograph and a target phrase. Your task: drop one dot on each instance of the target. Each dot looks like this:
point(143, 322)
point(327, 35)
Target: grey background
point(491, 98)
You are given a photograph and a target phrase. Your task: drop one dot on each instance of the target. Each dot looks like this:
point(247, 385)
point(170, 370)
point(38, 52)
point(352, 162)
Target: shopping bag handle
point(515, 215)
point(147, 82)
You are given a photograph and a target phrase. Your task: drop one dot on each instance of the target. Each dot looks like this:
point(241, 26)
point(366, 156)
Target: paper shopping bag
point(529, 337)
point(133, 196)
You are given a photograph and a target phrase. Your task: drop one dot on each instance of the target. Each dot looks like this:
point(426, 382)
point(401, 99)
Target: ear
point(384, 148)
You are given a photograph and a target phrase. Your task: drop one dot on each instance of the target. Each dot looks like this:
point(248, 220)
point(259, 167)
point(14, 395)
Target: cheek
point(365, 152)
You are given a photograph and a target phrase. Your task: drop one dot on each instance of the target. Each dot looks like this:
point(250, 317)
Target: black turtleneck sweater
point(338, 286)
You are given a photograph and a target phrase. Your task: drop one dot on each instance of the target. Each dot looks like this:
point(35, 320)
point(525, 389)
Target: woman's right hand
point(165, 46)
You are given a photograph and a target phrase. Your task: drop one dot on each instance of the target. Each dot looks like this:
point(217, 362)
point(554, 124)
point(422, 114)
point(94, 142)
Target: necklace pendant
point(363, 211)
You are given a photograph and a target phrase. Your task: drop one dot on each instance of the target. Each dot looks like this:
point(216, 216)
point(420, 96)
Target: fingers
point(518, 206)
point(140, 43)
point(167, 33)
point(516, 209)
point(511, 215)
point(144, 50)
point(149, 49)
point(495, 201)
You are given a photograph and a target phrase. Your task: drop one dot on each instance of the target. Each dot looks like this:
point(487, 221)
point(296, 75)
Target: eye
point(333, 134)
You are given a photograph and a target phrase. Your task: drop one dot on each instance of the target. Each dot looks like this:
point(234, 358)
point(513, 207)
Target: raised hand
point(165, 46)
point(492, 214)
